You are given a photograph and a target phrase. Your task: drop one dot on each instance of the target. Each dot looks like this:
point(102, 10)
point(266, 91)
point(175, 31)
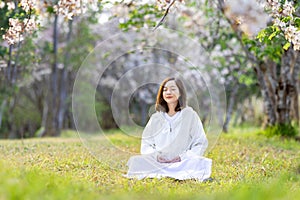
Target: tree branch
point(161, 21)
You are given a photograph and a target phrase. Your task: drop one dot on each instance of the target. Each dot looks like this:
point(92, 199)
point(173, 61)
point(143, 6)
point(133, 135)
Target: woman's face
point(171, 92)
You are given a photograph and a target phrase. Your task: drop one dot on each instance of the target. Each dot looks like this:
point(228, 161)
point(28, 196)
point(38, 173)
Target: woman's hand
point(176, 159)
point(161, 159)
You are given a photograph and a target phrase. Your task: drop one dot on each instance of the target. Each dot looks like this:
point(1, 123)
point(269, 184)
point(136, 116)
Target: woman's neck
point(172, 111)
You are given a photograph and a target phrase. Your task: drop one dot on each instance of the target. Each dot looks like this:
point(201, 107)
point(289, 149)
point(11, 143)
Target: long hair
point(161, 104)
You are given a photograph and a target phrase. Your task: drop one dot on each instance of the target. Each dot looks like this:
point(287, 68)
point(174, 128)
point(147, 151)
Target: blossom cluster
point(10, 5)
point(71, 8)
point(281, 11)
point(164, 4)
point(28, 5)
point(16, 29)
point(25, 4)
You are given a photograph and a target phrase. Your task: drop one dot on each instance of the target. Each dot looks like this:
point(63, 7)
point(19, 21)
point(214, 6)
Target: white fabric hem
point(159, 176)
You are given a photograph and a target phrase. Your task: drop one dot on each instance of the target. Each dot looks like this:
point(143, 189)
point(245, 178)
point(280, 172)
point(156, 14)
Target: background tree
point(276, 66)
point(46, 88)
point(248, 47)
point(17, 59)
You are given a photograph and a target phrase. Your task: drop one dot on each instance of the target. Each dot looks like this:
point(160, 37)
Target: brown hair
point(161, 104)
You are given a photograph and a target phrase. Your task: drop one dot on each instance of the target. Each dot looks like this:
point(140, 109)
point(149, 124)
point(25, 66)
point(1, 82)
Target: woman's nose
point(168, 91)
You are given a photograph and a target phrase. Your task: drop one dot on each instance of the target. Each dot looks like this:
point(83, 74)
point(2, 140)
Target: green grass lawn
point(245, 166)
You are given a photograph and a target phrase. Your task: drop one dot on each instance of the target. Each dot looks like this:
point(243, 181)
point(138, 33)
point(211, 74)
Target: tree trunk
point(231, 103)
point(8, 69)
point(3, 104)
point(42, 131)
point(64, 81)
point(278, 90)
point(51, 127)
point(11, 123)
point(59, 85)
point(14, 68)
point(268, 101)
point(295, 99)
point(287, 85)
point(237, 114)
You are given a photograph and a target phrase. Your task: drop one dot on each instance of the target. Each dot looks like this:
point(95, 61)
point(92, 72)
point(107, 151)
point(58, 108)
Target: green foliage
point(26, 115)
point(50, 9)
point(25, 58)
point(3, 51)
point(247, 80)
point(285, 130)
point(297, 21)
point(245, 166)
point(101, 108)
point(140, 16)
point(28, 58)
point(268, 44)
point(82, 43)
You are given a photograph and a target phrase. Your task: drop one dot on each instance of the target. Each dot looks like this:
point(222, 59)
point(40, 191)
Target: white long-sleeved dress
point(180, 135)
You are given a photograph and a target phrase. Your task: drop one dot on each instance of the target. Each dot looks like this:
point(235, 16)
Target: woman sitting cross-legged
point(173, 141)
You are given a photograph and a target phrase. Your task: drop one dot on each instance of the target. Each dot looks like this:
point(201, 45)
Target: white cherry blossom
point(2, 4)
point(11, 5)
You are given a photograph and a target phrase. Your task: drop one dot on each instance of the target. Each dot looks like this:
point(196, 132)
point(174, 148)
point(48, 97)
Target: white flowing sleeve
point(148, 143)
point(199, 141)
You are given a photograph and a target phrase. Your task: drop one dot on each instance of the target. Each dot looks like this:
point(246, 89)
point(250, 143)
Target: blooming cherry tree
point(267, 29)
point(283, 15)
point(19, 26)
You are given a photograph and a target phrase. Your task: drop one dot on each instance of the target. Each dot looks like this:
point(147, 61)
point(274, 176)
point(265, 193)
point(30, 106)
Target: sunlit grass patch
point(245, 166)
point(21, 183)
